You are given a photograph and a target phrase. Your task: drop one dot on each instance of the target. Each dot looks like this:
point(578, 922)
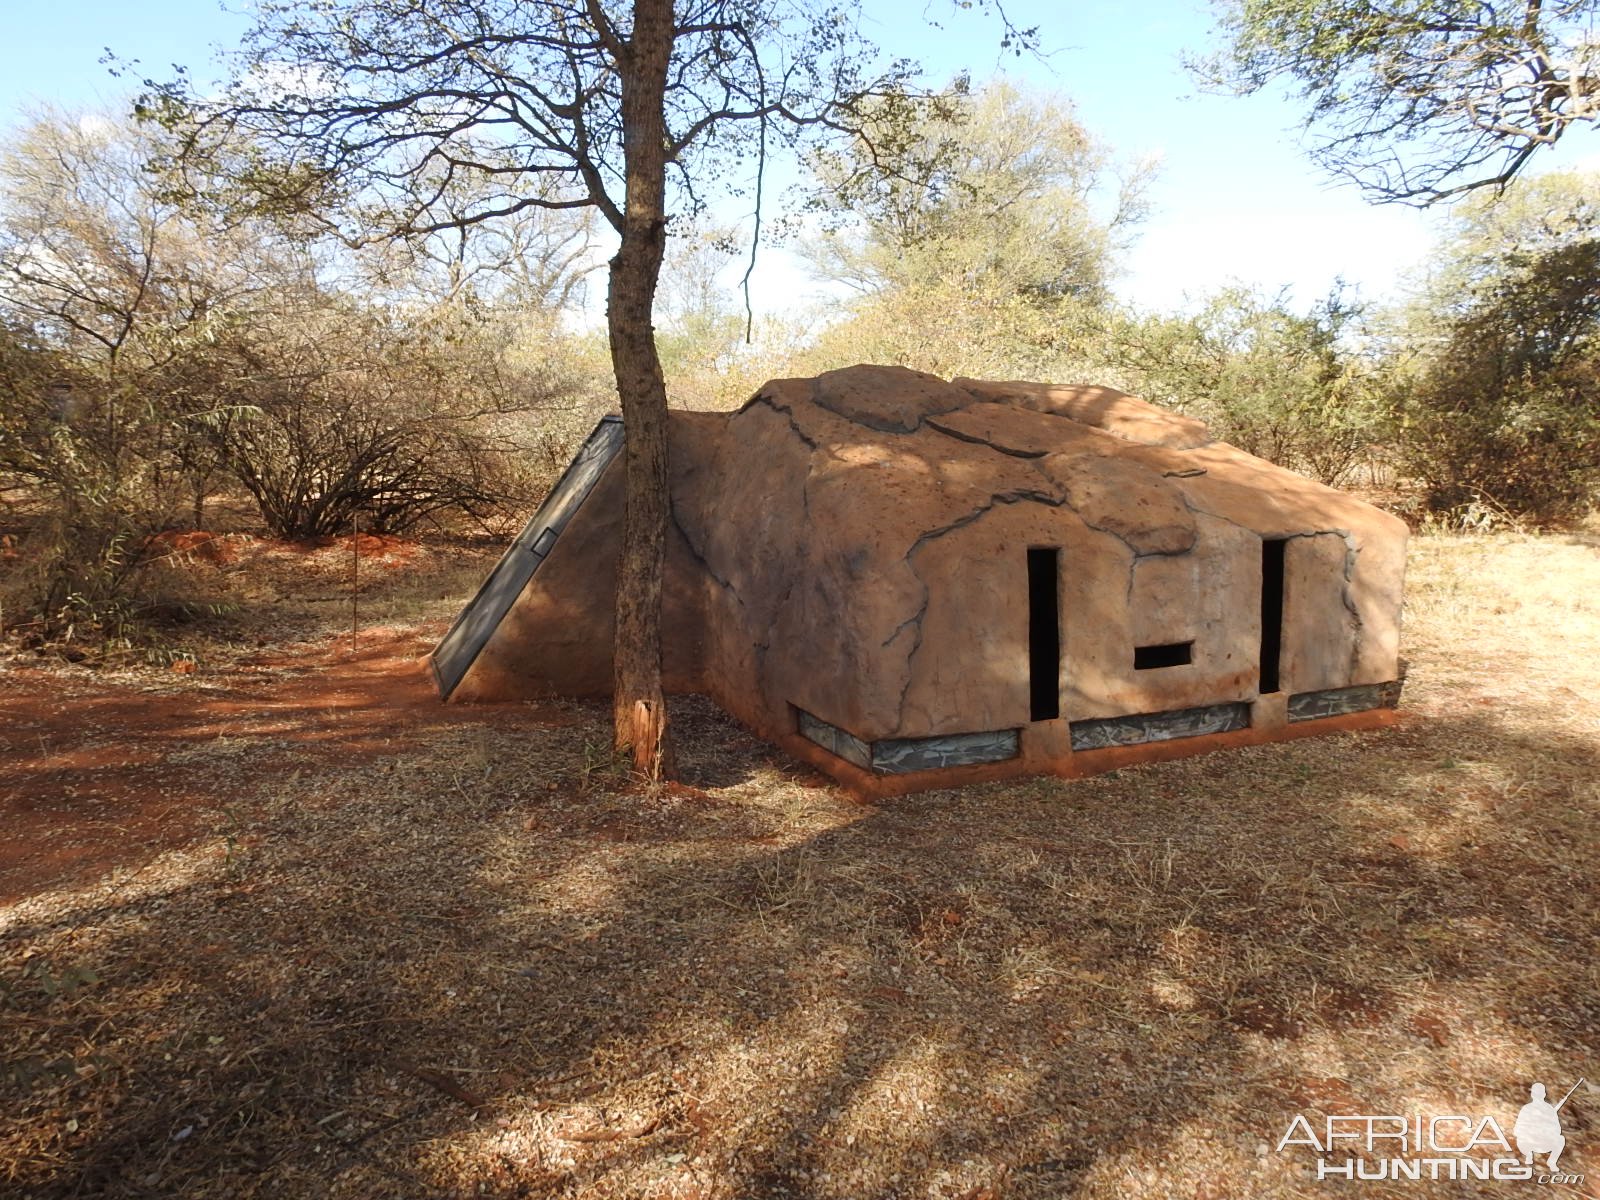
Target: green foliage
point(1418, 100)
point(700, 328)
point(953, 329)
point(1497, 405)
point(151, 355)
point(64, 439)
point(113, 295)
point(335, 414)
point(997, 191)
point(981, 232)
point(1283, 385)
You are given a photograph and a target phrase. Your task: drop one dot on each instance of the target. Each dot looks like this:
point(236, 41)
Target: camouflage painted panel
point(1159, 727)
point(895, 756)
point(834, 740)
point(1309, 706)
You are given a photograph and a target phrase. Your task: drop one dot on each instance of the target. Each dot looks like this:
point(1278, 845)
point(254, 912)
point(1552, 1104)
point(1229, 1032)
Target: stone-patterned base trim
point(1309, 706)
point(894, 756)
point(1101, 732)
point(835, 740)
point(1059, 762)
point(899, 756)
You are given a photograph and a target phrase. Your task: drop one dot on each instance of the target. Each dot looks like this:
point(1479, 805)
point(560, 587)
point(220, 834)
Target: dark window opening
point(1271, 613)
point(1174, 654)
point(1044, 633)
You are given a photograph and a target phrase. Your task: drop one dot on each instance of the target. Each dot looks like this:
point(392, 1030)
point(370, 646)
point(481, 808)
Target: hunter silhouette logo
point(1444, 1146)
point(1538, 1127)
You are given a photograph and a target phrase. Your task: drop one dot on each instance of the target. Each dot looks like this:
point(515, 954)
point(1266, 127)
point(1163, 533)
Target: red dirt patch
point(219, 549)
point(385, 549)
point(100, 773)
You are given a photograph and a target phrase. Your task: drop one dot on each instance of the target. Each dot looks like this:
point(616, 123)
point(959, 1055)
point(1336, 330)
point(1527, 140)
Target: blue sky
point(1236, 200)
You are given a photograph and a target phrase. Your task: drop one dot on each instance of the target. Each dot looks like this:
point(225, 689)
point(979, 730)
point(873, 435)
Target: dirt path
point(97, 774)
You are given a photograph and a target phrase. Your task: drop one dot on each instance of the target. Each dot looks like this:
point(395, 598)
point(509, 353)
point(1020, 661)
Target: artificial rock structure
point(912, 583)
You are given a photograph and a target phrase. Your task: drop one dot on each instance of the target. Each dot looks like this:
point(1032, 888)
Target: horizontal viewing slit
point(1173, 654)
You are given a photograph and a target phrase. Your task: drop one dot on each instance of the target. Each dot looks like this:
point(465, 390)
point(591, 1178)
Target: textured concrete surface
point(895, 756)
point(855, 547)
point(1310, 706)
point(479, 620)
point(1159, 727)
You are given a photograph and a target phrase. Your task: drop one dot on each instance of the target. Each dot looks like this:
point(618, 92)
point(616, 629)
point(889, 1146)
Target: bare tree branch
point(1419, 103)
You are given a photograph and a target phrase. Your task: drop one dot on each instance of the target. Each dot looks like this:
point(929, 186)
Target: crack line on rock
point(1350, 604)
point(1284, 537)
point(916, 645)
point(914, 619)
point(1014, 497)
point(763, 647)
point(701, 558)
point(1338, 533)
point(1132, 549)
point(1206, 512)
point(789, 413)
point(1066, 502)
point(976, 440)
point(866, 422)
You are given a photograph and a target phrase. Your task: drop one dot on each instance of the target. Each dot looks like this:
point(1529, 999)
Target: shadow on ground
point(477, 964)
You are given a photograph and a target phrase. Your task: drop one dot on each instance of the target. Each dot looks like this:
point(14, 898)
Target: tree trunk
point(638, 705)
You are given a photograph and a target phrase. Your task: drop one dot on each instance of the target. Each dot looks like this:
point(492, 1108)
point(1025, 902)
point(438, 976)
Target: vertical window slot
point(1044, 633)
point(1271, 613)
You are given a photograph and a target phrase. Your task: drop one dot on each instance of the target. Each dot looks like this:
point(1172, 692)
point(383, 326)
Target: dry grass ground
point(473, 962)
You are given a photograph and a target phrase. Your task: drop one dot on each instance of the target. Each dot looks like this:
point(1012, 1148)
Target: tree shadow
point(479, 968)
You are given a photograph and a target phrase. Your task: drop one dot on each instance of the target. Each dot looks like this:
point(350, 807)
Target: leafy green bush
point(1278, 384)
point(1498, 405)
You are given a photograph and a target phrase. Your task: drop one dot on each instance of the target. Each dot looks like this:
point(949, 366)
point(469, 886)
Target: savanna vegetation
point(283, 365)
point(176, 359)
point(239, 313)
point(288, 927)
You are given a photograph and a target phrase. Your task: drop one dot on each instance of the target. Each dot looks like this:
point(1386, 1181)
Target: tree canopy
point(632, 107)
point(393, 104)
point(1279, 383)
point(995, 187)
point(1420, 100)
point(1496, 388)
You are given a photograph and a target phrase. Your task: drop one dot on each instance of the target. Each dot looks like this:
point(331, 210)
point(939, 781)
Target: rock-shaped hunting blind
point(911, 583)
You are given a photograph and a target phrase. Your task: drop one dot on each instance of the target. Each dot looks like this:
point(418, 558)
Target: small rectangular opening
point(1044, 633)
point(1173, 654)
point(1271, 613)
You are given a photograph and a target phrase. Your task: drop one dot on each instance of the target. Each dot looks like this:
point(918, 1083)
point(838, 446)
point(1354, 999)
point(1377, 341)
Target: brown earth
point(335, 941)
point(93, 771)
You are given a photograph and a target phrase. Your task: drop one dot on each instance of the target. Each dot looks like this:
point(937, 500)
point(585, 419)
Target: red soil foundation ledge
point(1043, 753)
